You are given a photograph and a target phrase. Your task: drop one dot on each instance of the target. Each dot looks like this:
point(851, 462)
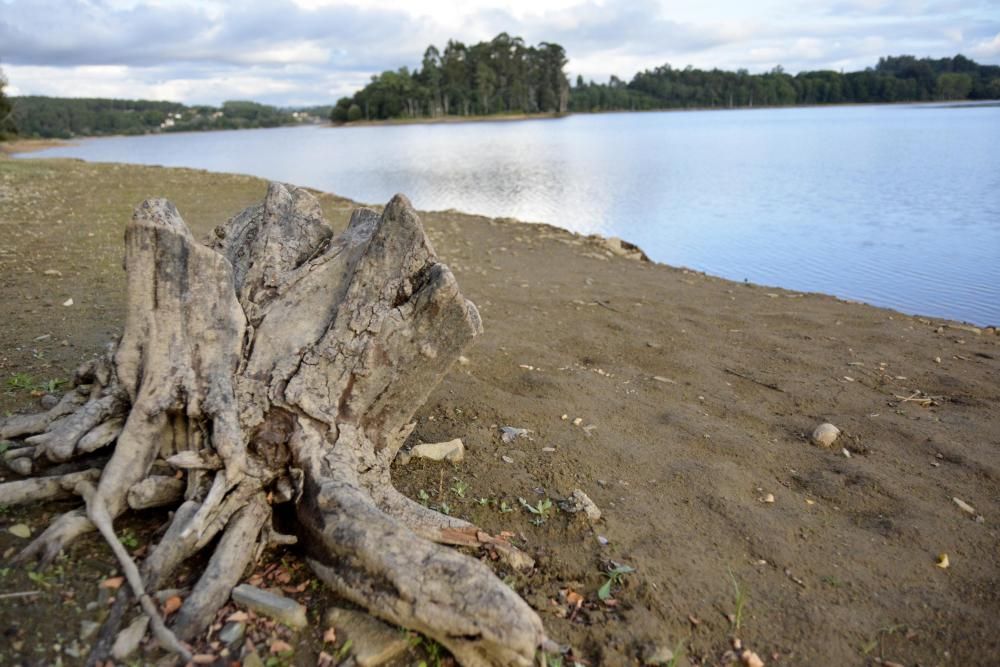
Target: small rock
point(943, 562)
point(49, 401)
point(658, 655)
point(660, 378)
point(373, 642)
point(52, 272)
point(512, 433)
point(937, 360)
point(769, 498)
point(463, 360)
point(603, 541)
point(750, 659)
point(68, 302)
point(845, 452)
point(506, 459)
point(128, 640)
point(87, 629)
point(581, 502)
point(452, 450)
point(548, 450)
point(281, 609)
point(231, 633)
point(825, 435)
point(577, 421)
point(20, 530)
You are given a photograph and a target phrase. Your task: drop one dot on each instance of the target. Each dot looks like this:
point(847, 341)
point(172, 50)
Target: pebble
point(49, 401)
point(577, 421)
point(825, 435)
point(548, 450)
point(769, 498)
point(128, 640)
point(512, 433)
point(232, 632)
point(87, 629)
point(659, 655)
point(582, 502)
point(452, 450)
point(506, 459)
point(68, 302)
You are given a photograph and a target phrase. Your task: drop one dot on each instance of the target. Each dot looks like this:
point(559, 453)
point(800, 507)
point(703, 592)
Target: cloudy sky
point(298, 52)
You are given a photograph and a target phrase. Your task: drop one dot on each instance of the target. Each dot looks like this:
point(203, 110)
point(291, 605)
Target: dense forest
point(60, 117)
point(502, 76)
point(894, 79)
point(506, 76)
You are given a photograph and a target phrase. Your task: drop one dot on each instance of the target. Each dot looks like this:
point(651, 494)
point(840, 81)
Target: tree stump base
point(279, 363)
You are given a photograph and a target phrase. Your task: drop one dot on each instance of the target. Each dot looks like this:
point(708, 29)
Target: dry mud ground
point(696, 397)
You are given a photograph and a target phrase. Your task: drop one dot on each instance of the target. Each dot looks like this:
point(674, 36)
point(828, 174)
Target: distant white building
point(169, 122)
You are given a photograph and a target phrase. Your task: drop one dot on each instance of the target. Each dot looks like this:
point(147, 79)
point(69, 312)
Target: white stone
point(452, 450)
point(825, 435)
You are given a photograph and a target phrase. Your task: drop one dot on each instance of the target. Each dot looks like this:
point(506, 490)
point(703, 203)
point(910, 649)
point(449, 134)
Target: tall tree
point(6, 110)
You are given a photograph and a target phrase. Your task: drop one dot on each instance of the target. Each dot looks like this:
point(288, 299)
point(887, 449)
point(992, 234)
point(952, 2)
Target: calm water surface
point(898, 206)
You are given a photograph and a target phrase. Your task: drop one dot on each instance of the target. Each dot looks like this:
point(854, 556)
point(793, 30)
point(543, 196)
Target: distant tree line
point(893, 79)
point(501, 76)
point(63, 118)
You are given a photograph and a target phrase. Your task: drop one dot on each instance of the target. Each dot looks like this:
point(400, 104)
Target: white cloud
point(313, 51)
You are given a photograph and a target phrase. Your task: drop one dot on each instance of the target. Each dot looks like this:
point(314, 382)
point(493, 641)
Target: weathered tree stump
point(278, 363)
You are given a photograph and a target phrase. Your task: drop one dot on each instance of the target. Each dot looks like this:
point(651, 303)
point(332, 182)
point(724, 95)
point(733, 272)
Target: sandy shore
point(695, 398)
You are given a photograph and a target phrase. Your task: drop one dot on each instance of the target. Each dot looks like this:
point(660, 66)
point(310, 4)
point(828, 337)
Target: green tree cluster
point(501, 76)
point(58, 117)
point(893, 79)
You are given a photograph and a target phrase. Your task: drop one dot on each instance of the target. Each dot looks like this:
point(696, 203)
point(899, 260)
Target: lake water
point(897, 206)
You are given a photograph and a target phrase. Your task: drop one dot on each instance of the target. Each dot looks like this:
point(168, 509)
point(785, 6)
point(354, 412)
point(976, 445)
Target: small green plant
point(19, 381)
point(41, 578)
point(445, 508)
point(128, 539)
point(430, 647)
point(424, 497)
point(541, 509)
point(344, 650)
point(615, 577)
point(740, 600)
point(5, 445)
point(459, 487)
point(51, 386)
point(832, 581)
point(482, 501)
point(4, 571)
point(505, 507)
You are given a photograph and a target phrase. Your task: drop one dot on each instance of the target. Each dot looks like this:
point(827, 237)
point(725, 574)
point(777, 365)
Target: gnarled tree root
point(277, 363)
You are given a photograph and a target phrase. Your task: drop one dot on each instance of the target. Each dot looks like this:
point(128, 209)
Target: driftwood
point(277, 363)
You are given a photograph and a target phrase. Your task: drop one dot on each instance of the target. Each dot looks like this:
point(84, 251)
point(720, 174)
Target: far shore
point(31, 145)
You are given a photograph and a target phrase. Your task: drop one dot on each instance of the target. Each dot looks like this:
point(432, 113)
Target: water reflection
point(897, 206)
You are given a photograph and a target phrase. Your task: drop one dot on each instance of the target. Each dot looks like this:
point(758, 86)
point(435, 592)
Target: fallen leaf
point(237, 617)
point(171, 605)
point(279, 646)
point(330, 636)
point(324, 659)
point(574, 598)
point(114, 583)
point(203, 659)
point(20, 530)
point(942, 562)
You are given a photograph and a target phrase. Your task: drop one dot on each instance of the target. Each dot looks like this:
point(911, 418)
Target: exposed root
point(230, 559)
point(60, 533)
point(99, 516)
point(40, 489)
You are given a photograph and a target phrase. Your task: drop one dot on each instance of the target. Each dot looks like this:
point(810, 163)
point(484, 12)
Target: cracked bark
point(280, 361)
